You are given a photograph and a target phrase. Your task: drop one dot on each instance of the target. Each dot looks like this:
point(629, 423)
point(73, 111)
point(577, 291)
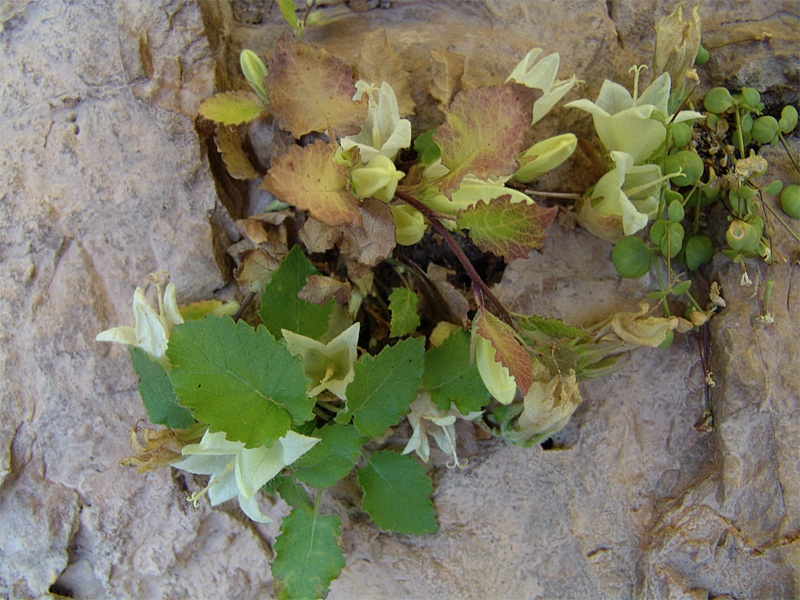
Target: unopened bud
point(254, 71)
point(409, 224)
point(545, 156)
point(378, 179)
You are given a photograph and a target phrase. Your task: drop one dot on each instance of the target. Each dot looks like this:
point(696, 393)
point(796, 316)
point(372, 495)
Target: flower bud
point(378, 179)
point(254, 71)
point(500, 383)
point(677, 43)
point(544, 156)
point(409, 224)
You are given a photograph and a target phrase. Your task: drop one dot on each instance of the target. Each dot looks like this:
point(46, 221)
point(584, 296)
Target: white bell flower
point(383, 132)
point(236, 471)
point(151, 329)
point(542, 76)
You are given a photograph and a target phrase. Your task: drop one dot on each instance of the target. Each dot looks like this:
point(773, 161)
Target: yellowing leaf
point(232, 108)
point(229, 144)
point(308, 179)
point(509, 352)
point(312, 90)
point(377, 62)
point(483, 133)
point(506, 229)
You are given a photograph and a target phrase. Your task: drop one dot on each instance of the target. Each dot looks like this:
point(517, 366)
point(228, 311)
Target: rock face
point(105, 181)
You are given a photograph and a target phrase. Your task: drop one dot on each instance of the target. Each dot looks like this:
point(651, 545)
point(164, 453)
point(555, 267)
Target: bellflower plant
point(383, 132)
point(542, 76)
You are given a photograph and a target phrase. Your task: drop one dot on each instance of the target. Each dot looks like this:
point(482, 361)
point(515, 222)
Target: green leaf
point(452, 376)
point(232, 108)
point(157, 393)
point(554, 328)
point(483, 132)
point(287, 10)
point(427, 150)
point(383, 387)
point(293, 493)
point(238, 380)
point(397, 494)
point(331, 459)
point(282, 309)
point(506, 229)
point(307, 555)
point(403, 305)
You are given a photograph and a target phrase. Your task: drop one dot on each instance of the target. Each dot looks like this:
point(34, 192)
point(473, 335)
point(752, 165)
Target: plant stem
point(781, 221)
point(479, 288)
point(661, 287)
point(245, 303)
point(791, 158)
point(739, 132)
point(567, 195)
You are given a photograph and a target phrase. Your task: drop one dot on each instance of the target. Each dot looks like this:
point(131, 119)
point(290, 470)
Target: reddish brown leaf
point(506, 229)
point(510, 353)
point(255, 269)
point(319, 289)
point(312, 90)
point(483, 133)
point(308, 179)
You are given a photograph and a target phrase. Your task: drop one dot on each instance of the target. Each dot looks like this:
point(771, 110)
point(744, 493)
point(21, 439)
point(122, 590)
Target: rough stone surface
point(104, 181)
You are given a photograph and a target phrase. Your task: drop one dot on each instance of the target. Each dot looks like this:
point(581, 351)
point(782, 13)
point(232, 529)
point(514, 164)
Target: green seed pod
point(675, 211)
point(718, 100)
point(790, 201)
point(751, 97)
point(765, 129)
point(702, 56)
point(699, 250)
point(631, 257)
point(788, 119)
point(743, 236)
point(681, 134)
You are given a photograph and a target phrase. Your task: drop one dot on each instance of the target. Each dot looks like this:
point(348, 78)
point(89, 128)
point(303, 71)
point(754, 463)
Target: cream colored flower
point(378, 179)
point(151, 329)
point(328, 366)
point(497, 379)
point(542, 76)
point(236, 471)
point(384, 132)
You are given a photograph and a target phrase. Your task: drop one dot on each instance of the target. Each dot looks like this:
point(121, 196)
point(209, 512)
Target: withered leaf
point(372, 241)
point(312, 90)
point(447, 71)
point(455, 300)
point(509, 352)
point(308, 179)
point(318, 237)
point(255, 269)
point(319, 289)
point(229, 143)
point(378, 62)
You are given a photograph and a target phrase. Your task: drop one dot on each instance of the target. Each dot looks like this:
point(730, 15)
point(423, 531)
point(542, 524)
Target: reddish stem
point(479, 288)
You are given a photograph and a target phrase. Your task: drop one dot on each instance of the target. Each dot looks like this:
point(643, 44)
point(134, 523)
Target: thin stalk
point(696, 305)
point(661, 287)
point(739, 132)
point(245, 303)
point(781, 221)
point(479, 288)
point(565, 195)
point(788, 152)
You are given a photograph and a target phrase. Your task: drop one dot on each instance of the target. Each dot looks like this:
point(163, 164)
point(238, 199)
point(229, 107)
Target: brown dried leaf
point(252, 230)
point(377, 62)
point(456, 302)
point(362, 275)
point(374, 239)
point(318, 237)
point(319, 289)
point(255, 269)
point(312, 90)
point(308, 179)
point(447, 70)
point(229, 143)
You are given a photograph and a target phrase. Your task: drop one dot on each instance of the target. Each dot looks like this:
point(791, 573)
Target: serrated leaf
point(308, 179)
point(383, 387)
point(510, 353)
point(238, 380)
point(506, 229)
point(282, 309)
point(452, 376)
point(403, 306)
point(232, 108)
point(287, 10)
point(555, 328)
point(483, 133)
point(312, 90)
point(307, 555)
point(331, 459)
point(378, 62)
point(292, 492)
point(158, 395)
point(229, 144)
point(397, 494)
